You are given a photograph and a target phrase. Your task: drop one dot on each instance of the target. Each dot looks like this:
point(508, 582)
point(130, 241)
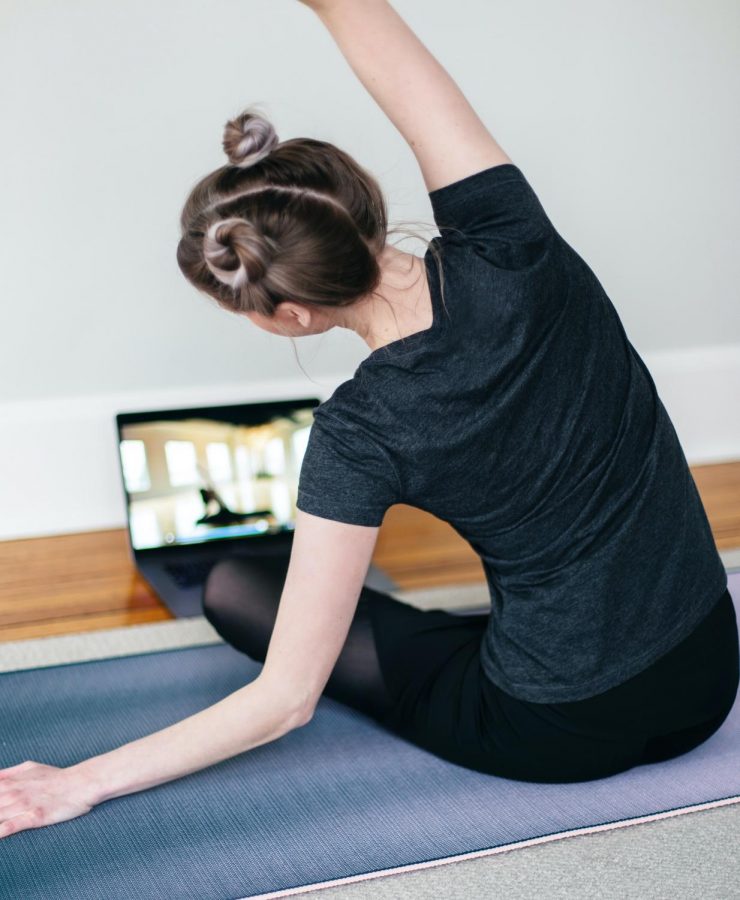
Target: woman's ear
point(302, 319)
point(292, 319)
point(295, 314)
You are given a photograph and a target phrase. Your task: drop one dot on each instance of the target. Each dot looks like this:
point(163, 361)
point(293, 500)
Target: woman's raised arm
point(413, 89)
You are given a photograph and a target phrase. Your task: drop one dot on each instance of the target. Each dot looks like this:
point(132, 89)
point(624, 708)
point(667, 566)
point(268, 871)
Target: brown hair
point(298, 219)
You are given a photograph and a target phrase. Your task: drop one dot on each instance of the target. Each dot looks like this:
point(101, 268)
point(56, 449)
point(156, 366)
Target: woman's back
point(525, 418)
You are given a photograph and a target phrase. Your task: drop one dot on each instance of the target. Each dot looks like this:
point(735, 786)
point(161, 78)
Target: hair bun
point(236, 253)
point(248, 138)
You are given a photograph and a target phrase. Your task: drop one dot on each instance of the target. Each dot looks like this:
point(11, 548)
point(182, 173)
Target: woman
point(502, 395)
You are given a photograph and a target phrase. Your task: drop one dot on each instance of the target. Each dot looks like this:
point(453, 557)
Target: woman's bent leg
point(240, 600)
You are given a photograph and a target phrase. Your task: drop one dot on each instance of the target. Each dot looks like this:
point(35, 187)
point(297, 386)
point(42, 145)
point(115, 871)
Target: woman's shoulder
point(344, 405)
point(356, 411)
point(494, 215)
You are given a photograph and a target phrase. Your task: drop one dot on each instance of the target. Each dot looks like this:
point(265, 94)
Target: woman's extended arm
point(413, 89)
point(328, 565)
point(33, 795)
point(247, 718)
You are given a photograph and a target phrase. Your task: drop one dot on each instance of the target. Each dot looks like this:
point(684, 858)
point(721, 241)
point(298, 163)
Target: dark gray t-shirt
point(526, 419)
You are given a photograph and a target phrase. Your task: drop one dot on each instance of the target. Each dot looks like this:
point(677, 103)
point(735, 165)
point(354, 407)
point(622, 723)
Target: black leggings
point(418, 672)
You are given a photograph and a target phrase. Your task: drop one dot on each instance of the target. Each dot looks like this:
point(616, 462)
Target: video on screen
point(196, 479)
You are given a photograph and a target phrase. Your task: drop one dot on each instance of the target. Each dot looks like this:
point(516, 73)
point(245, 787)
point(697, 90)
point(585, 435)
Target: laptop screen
point(193, 476)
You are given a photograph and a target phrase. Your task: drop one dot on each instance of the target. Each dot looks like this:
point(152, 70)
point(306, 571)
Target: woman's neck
point(400, 306)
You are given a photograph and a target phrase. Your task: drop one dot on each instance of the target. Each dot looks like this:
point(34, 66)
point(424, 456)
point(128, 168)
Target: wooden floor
point(85, 582)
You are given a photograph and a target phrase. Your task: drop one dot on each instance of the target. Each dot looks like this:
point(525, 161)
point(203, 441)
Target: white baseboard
point(58, 457)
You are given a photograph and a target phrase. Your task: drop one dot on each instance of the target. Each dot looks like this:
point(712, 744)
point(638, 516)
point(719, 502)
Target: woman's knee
point(240, 600)
point(235, 579)
point(220, 587)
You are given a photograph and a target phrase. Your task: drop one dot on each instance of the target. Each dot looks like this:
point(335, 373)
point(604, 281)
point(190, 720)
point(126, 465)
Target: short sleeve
point(498, 212)
point(345, 474)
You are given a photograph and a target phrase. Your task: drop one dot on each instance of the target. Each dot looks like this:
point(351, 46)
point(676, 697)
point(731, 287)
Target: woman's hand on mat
point(33, 795)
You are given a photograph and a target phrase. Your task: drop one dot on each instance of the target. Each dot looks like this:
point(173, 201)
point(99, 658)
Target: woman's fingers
point(16, 814)
point(33, 795)
point(22, 820)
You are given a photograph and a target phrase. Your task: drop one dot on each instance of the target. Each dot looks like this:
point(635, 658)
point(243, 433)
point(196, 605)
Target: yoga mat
point(339, 800)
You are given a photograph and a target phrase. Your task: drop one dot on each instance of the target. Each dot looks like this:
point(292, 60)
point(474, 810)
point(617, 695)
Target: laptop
point(206, 483)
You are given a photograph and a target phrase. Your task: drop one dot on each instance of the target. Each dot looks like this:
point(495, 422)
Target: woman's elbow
point(305, 716)
point(294, 708)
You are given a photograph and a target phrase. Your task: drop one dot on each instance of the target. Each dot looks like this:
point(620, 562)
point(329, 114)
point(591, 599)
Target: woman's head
point(297, 220)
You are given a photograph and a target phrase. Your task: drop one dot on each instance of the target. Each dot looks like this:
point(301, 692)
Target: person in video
point(216, 510)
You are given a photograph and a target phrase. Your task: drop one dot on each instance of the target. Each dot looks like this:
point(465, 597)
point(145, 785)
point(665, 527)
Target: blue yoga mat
point(339, 800)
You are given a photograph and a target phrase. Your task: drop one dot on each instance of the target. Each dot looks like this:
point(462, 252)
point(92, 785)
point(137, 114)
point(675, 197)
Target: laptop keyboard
point(187, 574)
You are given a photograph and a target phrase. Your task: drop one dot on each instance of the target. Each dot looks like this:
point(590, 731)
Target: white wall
point(622, 114)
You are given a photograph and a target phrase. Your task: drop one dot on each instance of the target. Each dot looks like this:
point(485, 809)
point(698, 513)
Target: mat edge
point(504, 848)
